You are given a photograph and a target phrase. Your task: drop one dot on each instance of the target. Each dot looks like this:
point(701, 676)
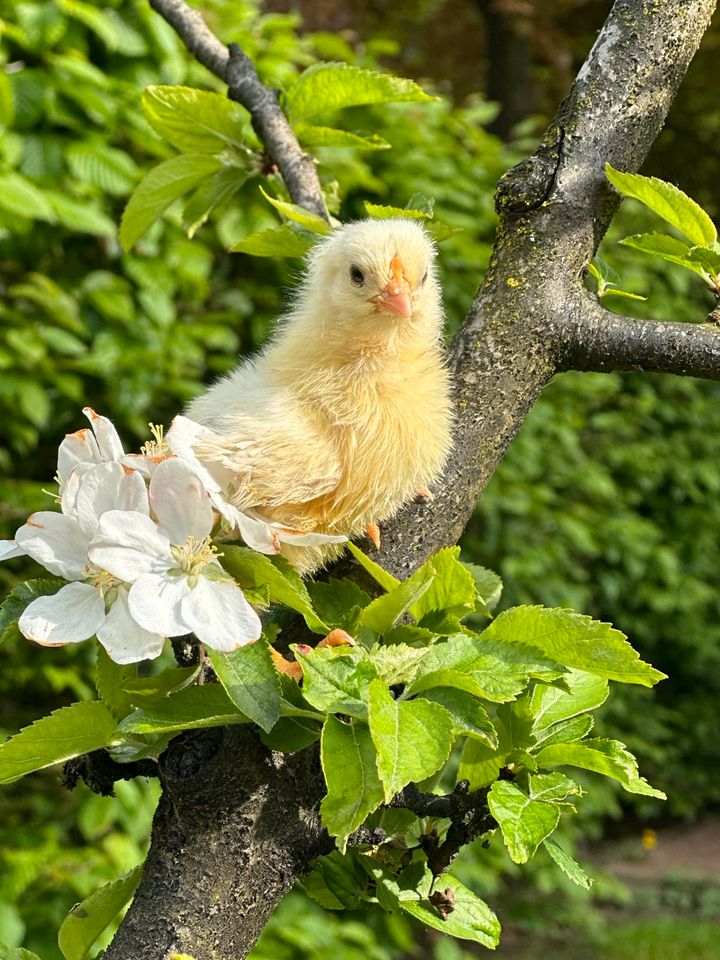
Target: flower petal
point(57, 542)
point(181, 436)
point(144, 464)
point(78, 447)
point(301, 538)
point(155, 601)
point(104, 487)
point(180, 502)
point(106, 435)
point(128, 544)
point(219, 615)
point(124, 639)
point(71, 615)
point(10, 549)
point(257, 533)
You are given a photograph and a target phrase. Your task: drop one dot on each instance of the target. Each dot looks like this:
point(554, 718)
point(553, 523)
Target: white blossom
point(178, 585)
point(99, 445)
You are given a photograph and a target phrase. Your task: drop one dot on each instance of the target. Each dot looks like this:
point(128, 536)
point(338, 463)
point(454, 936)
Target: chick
point(346, 414)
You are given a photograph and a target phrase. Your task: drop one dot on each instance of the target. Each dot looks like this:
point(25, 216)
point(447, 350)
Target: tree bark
point(236, 825)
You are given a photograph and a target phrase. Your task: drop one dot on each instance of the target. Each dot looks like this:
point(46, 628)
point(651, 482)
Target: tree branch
point(235, 68)
point(600, 341)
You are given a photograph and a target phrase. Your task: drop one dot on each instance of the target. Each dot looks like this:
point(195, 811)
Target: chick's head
point(377, 272)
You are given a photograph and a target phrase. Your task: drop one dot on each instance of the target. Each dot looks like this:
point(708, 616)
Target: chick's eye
point(356, 275)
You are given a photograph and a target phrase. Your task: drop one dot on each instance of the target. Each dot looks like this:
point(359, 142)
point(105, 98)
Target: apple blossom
point(178, 585)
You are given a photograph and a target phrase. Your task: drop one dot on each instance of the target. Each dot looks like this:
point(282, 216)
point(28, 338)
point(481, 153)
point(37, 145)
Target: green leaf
point(612, 291)
point(16, 953)
point(488, 587)
point(524, 822)
point(668, 202)
point(412, 738)
point(81, 217)
point(382, 212)
point(552, 787)
point(488, 669)
point(665, 247)
point(251, 681)
point(708, 259)
point(385, 611)
point(65, 733)
point(336, 882)
point(87, 920)
point(285, 585)
point(21, 596)
point(452, 589)
point(195, 121)
point(480, 763)
point(566, 731)
point(386, 580)
point(298, 214)
point(584, 691)
point(147, 690)
point(110, 680)
point(354, 788)
point(325, 87)
point(291, 734)
point(163, 184)
point(190, 709)
point(21, 198)
point(282, 241)
point(338, 602)
point(336, 679)
point(396, 663)
point(469, 717)
point(311, 136)
point(212, 193)
point(608, 757)
point(569, 866)
point(575, 641)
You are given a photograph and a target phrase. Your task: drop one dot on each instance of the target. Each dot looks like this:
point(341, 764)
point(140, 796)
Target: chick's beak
point(395, 295)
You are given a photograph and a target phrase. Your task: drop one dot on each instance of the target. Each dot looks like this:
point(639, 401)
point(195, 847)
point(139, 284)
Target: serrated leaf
point(110, 678)
point(291, 734)
point(379, 211)
point(349, 765)
point(569, 866)
point(311, 136)
point(146, 690)
point(483, 667)
point(298, 214)
point(552, 787)
point(20, 597)
point(276, 242)
point(210, 194)
point(574, 640)
point(480, 763)
point(412, 738)
point(336, 882)
point(524, 822)
point(708, 259)
point(282, 580)
point(451, 590)
point(488, 587)
point(612, 291)
point(325, 87)
point(583, 691)
point(385, 611)
point(21, 198)
point(668, 201)
point(565, 731)
point(195, 121)
point(665, 247)
point(251, 681)
point(469, 717)
point(65, 733)
point(608, 757)
point(338, 602)
point(386, 580)
point(190, 709)
point(87, 920)
point(397, 663)
point(336, 679)
point(81, 217)
point(94, 161)
point(163, 184)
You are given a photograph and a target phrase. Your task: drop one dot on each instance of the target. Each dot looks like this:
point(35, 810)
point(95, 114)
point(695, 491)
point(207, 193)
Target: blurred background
point(608, 501)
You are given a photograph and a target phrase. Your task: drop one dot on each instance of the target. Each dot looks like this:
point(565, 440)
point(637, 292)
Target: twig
point(100, 772)
point(234, 67)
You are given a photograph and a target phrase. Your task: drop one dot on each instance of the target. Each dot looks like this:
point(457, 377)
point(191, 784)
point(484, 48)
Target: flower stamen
point(194, 555)
point(158, 446)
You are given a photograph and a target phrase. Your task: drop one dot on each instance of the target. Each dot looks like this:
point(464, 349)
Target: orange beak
point(395, 296)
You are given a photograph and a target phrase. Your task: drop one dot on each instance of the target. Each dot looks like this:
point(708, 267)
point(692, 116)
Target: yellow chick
point(346, 413)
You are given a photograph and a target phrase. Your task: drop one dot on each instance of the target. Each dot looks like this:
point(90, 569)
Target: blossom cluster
point(134, 539)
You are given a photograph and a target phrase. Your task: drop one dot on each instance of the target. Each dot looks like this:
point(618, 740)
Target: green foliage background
point(607, 501)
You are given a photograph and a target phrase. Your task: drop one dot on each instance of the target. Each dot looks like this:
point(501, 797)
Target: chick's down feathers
point(346, 413)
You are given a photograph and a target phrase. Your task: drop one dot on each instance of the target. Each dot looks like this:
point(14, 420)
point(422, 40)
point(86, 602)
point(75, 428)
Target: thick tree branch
point(601, 341)
point(236, 69)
